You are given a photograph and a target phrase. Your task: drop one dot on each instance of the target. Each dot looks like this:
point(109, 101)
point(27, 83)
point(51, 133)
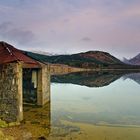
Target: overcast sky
point(69, 26)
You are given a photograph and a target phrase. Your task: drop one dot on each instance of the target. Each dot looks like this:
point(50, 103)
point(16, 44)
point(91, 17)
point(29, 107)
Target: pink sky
point(69, 26)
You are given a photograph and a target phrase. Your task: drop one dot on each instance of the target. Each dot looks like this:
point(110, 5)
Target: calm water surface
point(117, 103)
point(98, 103)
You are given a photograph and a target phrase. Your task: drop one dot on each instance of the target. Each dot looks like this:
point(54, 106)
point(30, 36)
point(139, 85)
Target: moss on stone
point(3, 123)
point(14, 124)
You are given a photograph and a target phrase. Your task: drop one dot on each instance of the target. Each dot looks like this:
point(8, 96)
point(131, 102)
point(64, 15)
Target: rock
point(42, 138)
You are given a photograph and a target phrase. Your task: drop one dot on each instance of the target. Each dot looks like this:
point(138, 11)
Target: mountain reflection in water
point(133, 76)
point(115, 101)
point(94, 79)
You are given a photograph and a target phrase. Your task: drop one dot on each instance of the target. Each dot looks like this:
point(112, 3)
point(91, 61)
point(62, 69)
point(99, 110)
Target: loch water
point(103, 105)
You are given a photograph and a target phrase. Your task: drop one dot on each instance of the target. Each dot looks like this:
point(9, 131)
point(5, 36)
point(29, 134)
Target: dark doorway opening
point(30, 85)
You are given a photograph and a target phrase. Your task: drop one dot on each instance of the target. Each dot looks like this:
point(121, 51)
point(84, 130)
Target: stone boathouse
point(22, 79)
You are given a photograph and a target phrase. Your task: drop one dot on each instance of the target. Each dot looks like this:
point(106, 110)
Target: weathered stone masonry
point(43, 89)
point(11, 92)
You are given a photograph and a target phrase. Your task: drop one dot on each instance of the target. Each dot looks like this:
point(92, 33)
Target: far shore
point(60, 69)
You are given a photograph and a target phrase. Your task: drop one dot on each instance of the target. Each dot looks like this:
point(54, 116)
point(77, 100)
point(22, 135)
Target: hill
point(90, 59)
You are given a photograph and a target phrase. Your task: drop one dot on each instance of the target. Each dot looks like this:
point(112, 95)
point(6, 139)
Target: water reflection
point(37, 120)
point(93, 79)
point(133, 76)
point(115, 104)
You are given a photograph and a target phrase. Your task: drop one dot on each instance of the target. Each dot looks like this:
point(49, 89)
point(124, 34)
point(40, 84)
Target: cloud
point(86, 39)
point(8, 31)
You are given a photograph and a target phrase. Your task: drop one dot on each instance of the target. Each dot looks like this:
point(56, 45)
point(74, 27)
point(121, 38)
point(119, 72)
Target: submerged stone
point(42, 138)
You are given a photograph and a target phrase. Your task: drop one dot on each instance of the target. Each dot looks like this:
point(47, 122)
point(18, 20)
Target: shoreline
point(96, 131)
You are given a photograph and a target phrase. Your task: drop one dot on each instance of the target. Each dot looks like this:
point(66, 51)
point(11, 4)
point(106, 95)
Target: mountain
point(133, 61)
point(90, 59)
point(103, 57)
point(126, 61)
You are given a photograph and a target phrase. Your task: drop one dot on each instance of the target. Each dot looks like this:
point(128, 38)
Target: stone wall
point(11, 92)
point(59, 69)
point(43, 90)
